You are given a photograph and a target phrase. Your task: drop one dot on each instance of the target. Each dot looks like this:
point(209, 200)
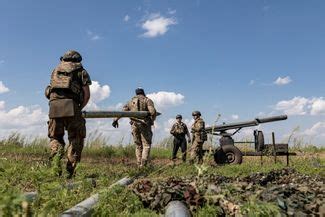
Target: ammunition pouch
point(204, 135)
point(64, 80)
point(62, 108)
point(201, 136)
point(61, 80)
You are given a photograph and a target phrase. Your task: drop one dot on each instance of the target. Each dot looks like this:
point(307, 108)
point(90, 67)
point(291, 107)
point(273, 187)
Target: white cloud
point(126, 18)
point(168, 125)
point(317, 106)
point(2, 105)
point(93, 36)
point(29, 120)
point(317, 129)
point(118, 106)
point(314, 135)
point(295, 106)
point(302, 106)
point(97, 94)
point(2, 62)
point(157, 25)
point(235, 117)
point(164, 100)
point(171, 12)
point(282, 81)
point(251, 82)
point(3, 88)
point(245, 134)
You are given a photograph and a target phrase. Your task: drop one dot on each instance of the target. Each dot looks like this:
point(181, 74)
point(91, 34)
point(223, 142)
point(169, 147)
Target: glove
point(115, 124)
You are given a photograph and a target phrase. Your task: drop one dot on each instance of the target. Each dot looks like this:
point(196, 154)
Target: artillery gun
point(229, 153)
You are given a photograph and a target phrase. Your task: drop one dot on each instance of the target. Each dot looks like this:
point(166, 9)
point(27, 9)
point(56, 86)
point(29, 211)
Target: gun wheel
point(228, 154)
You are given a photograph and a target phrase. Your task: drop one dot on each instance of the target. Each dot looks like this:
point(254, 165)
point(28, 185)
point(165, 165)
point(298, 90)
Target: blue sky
point(237, 58)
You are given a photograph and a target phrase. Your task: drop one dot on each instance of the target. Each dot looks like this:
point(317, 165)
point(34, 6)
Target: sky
point(240, 59)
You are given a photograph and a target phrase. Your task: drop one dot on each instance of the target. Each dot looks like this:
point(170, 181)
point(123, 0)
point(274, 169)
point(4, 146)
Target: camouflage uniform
point(141, 129)
point(65, 111)
point(179, 131)
point(198, 138)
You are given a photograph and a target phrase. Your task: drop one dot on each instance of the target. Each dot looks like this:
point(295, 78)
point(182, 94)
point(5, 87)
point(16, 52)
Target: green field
point(24, 167)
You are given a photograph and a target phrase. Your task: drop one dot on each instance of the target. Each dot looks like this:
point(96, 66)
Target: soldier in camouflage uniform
point(199, 136)
point(68, 94)
point(141, 129)
point(179, 130)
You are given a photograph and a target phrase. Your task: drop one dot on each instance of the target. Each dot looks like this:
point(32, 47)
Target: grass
point(120, 201)
point(24, 167)
point(255, 207)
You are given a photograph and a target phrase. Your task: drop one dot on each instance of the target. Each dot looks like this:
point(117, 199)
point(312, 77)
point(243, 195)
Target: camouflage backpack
point(65, 77)
point(139, 103)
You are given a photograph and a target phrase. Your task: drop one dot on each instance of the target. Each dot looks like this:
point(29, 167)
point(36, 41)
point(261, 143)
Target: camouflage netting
point(286, 191)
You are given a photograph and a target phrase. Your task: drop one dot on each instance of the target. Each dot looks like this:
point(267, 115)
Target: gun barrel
point(116, 114)
point(257, 121)
point(231, 126)
point(272, 119)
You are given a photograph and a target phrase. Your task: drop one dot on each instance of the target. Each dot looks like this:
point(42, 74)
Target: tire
point(228, 154)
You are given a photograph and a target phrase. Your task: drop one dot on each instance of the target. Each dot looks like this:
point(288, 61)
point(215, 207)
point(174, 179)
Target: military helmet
point(179, 116)
point(196, 113)
point(71, 56)
point(139, 91)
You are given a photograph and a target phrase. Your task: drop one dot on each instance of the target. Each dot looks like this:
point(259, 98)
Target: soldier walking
point(68, 94)
point(141, 129)
point(199, 136)
point(179, 130)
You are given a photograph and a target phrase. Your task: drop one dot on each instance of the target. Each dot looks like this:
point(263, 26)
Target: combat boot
point(144, 163)
point(184, 158)
point(70, 170)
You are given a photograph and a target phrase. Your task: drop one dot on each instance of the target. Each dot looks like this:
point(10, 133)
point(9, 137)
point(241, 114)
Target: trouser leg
point(197, 152)
point(146, 138)
point(56, 133)
point(138, 153)
point(193, 151)
point(175, 148)
point(184, 149)
point(138, 144)
point(57, 148)
point(200, 153)
point(74, 154)
point(76, 135)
